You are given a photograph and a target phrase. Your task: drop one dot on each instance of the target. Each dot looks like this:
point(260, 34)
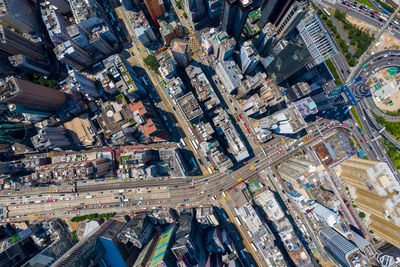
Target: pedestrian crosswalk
point(194, 45)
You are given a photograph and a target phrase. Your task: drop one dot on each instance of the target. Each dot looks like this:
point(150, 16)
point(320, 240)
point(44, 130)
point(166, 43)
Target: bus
point(182, 142)
point(253, 247)
point(238, 221)
point(327, 12)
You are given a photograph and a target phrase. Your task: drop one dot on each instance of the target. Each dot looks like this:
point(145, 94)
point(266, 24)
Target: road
point(366, 17)
point(187, 191)
point(167, 104)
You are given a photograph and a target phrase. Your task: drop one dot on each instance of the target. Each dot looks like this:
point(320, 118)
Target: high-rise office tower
point(56, 24)
point(248, 57)
point(51, 137)
point(101, 45)
point(154, 8)
point(196, 11)
point(214, 8)
point(71, 54)
point(20, 92)
point(18, 14)
point(291, 17)
point(234, 16)
point(87, 13)
point(13, 43)
point(187, 238)
point(33, 66)
point(266, 39)
point(82, 84)
point(334, 102)
point(12, 132)
point(273, 10)
point(80, 37)
point(181, 52)
point(284, 14)
point(287, 58)
point(376, 193)
point(128, 4)
point(317, 38)
point(223, 46)
point(341, 249)
point(101, 248)
point(62, 5)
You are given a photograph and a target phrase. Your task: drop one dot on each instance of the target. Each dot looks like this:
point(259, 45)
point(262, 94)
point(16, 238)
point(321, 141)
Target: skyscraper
point(80, 83)
point(51, 137)
point(284, 14)
point(187, 238)
point(291, 17)
point(56, 24)
point(71, 54)
point(317, 38)
point(334, 102)
point(271, 9)
point(61, 5)
point(154, 8)
point(28, 94)
point(80, 37)
point(23, 62)
point(287, 58)
point(343, 251)
point(19, 15)
point(13, 43)
point(266, 39)
point(196, 11)
point(223, 46)
point(12, 132)
point(101, 248)
point(181, 52)
point(248, 57)
point(376, 193)
point(234, 16)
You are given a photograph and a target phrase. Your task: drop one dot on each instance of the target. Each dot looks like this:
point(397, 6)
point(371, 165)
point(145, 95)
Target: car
point(186, 199)
point(228, 173)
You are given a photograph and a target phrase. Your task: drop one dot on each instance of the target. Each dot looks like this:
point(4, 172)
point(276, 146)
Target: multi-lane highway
point(366, 15)
point(115, 195)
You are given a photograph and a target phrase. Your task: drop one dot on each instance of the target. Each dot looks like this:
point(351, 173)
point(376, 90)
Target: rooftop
point(236, 144)
point(190, 107)
point(287, 121)
point(180, 46)
point(269, 204)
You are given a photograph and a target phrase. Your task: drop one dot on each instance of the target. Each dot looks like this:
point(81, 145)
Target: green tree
point(152, 62)
point(319, 11)
point(329, 23)
point(42, 81)
point(178, 4)
point(53, 83)
point(349, 55)
point(185, 15)
point(334, 29)
point(343, 45)
point(324, 16)
point(352, 62)
point(361, 214)
point(340, 15)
